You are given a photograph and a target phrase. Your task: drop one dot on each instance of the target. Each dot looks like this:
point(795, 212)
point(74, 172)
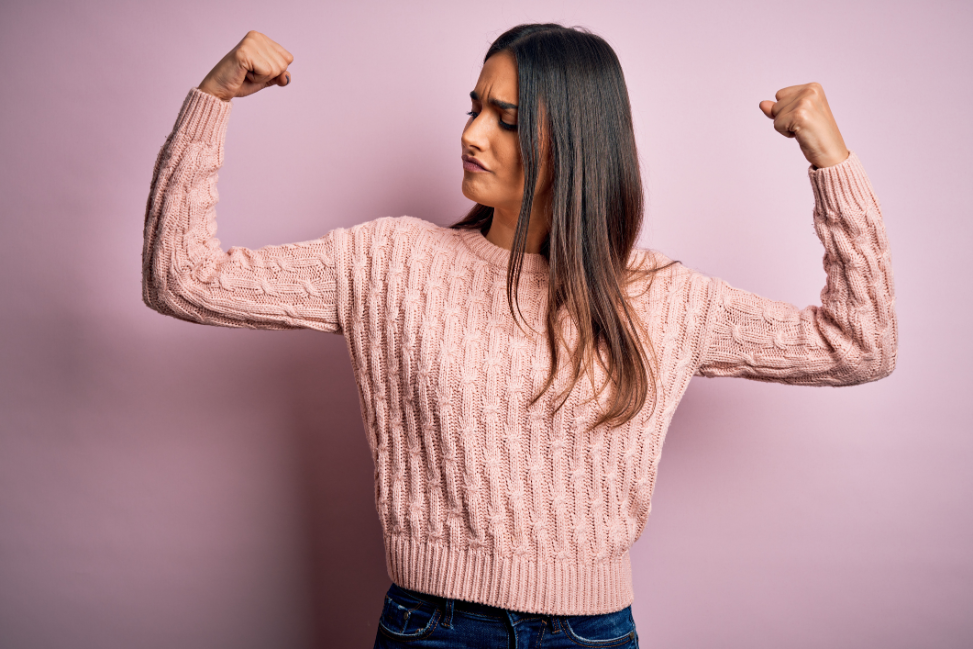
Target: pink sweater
point(481, 497)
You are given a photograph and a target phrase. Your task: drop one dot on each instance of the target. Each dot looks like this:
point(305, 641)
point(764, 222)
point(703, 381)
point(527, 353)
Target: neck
point(504, 225)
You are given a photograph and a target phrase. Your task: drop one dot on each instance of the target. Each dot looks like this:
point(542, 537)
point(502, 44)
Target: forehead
point(498, 78)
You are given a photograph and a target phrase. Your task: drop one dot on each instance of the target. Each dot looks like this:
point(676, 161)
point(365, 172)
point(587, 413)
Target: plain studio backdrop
point(164, 484)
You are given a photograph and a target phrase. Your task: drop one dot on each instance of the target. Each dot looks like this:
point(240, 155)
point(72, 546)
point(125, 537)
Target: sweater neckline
point(479, 245)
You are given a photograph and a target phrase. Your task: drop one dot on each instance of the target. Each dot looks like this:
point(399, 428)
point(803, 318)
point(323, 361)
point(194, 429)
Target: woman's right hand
point(255, 63)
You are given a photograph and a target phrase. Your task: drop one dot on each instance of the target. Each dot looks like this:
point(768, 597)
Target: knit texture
point(481, 497)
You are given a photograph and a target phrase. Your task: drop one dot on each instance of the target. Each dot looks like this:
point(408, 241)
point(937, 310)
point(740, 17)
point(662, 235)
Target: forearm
point(851, 336)
point(858, 301)
point(186, 274)
point(181, 197)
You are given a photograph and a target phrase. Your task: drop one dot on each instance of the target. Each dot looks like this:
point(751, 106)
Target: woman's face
point(493, 171)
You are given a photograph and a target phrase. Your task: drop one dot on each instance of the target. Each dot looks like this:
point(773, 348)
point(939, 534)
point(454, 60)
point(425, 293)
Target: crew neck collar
point(534, 263)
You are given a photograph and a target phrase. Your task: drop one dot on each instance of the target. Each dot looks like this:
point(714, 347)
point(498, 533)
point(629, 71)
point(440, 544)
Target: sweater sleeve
point(851, 337)
point(186, 274)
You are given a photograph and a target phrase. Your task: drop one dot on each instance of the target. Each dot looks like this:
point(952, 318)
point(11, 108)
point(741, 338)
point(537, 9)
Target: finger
point(278, 48)
point(784, 93)
point(258, 77)
point(270, 80)
point(767, 107)
point(273, 66)
point(282, 78)
point(266, 70)
point(281, 59)
point(287, 56)
point(784, 123)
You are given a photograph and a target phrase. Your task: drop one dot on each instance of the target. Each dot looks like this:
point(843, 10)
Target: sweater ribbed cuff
point(203, 118)
point(841, 188)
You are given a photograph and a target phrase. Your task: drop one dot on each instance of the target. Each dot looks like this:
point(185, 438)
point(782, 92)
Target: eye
point(504, 125)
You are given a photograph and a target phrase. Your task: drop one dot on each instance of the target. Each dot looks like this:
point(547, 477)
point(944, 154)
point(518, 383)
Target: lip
point(473, 165)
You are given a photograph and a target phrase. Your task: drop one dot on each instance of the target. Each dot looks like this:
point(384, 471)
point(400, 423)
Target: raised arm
point(852, 336)
point(185, 273)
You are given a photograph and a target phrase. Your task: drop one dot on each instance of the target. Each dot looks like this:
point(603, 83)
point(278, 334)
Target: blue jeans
point(412, 619)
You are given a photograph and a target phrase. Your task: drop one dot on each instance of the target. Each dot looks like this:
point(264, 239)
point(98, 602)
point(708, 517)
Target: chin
point(473, 195)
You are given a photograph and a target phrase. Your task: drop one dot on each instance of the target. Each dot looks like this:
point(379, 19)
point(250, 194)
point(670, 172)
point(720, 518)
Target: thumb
point(767, 107)
point(282, 79)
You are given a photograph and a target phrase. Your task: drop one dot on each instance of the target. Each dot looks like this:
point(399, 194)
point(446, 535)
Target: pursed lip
point(472, 164)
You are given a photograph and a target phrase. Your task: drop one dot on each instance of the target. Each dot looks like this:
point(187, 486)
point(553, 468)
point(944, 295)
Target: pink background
point(169, 485)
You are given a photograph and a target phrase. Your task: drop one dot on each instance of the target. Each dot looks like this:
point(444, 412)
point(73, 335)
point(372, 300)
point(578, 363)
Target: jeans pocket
point(607, 630)
point(405, 617)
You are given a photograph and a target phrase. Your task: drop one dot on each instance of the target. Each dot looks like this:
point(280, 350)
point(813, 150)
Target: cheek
point(513, 171)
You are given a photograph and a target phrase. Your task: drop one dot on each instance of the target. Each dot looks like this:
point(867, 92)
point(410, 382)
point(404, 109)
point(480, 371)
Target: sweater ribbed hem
point(547, 586)
point(203, 118)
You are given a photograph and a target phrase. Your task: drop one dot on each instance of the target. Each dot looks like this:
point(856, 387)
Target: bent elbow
point(884, 354)
point(153, 296)
point(881, 370)
point(155, 299)
point(150, 296)
point(868, 368)
point(887, 367)
point(167, 298)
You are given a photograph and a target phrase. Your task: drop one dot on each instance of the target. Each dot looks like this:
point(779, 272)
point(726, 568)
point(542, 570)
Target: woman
point(517, 372)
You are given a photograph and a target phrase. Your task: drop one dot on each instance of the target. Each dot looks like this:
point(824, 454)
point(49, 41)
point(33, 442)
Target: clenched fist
point(802, 112)
point(255, 63)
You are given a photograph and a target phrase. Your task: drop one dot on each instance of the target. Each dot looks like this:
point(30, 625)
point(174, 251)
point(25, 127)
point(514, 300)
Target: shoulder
point(423, 234)
point(387, 225)
point(383, 229)
point(656, 272)
point(646, 258)
point(645, 261)
point(397, 236)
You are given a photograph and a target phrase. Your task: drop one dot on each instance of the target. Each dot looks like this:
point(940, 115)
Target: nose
point(474, 134)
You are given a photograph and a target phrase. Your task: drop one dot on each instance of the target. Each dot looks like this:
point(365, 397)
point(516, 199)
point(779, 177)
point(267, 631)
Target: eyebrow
point(496, 102)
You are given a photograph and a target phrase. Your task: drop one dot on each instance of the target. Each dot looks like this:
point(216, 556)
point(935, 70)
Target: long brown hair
point(572, 81)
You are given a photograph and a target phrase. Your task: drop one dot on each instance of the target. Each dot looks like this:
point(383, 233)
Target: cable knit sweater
point(481, 497)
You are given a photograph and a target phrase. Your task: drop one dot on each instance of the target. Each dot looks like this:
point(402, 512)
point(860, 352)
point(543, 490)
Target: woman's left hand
point(803, 112)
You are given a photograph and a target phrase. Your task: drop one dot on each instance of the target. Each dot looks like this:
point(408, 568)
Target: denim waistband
point(463, 605)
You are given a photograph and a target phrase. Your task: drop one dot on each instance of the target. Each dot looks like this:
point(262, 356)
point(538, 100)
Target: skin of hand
point(255, 63)
point(802, 112)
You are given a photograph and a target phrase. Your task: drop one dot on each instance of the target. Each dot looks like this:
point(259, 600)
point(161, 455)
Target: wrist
point(210, 90)
point(830, 162)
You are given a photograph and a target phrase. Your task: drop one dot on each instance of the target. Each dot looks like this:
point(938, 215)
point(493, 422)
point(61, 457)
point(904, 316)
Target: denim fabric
point(413, 619)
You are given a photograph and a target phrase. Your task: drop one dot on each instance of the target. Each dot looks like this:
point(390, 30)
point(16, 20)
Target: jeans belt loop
point(448, 617)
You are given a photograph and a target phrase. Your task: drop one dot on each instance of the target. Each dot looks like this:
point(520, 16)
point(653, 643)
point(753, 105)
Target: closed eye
point(503, 124)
